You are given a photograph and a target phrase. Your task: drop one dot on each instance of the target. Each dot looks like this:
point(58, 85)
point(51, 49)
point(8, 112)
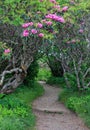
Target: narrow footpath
point(53, 115)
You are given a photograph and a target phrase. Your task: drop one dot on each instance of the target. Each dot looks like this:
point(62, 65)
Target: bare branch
point(88, 85)
point(86, 73)
point(8, 72)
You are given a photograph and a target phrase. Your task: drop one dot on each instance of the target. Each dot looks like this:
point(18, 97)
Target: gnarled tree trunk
point(14, 70)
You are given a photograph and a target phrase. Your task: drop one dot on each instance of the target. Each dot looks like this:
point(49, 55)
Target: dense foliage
point(16, 49)
point(71, 46)
point(57, 31)
point(16, 110)
point(78, 103)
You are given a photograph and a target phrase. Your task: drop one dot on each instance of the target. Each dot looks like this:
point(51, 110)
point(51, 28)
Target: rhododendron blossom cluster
point(6, 51)
point(39, 25)
point(48, 27)
point(46, 21)
point(25, 33)
point(41, 35)
point(64, 9)
point(53, 1)
point(55, 17)
point(34, 31)
point(81, 31)
point(27, 24)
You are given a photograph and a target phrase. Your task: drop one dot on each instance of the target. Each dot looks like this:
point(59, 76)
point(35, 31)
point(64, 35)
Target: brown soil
point(53, 115)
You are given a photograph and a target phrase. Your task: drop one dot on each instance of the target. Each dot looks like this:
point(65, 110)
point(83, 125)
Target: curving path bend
point(52, 115)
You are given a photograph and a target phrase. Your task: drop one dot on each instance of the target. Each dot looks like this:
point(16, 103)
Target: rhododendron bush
point(27, 26)
point(24, 27)
point(71, 46)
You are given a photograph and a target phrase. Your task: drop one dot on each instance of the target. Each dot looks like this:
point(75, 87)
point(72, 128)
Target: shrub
point(79, 103)
point(11, 102)
point(86, 114)
point(16, 110)
point(43, 74)
point(56, 80)
point(8, 123)
point(76, 103)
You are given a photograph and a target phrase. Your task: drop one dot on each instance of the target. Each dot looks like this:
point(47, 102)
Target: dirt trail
point(52, 115)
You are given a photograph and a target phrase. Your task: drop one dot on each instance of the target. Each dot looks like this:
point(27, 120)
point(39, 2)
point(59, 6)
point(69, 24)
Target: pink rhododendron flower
point(53, 1)
point(34, 31)
point(6, 51)
point(41, 35)
point(82, 23)
point(81, 31)
point(48, 23)
point(44, 20)
point(39, 25)
point(55, 17)
point(48, 16)
point(64, 9)
point(25, 33)
point(61, 20)
point(30, 23)
point(25, 25)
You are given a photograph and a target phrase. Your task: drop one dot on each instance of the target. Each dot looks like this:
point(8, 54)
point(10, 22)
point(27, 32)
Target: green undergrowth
point(78, 102)
point(43, 74)
point(16, 108)
point(59, 81)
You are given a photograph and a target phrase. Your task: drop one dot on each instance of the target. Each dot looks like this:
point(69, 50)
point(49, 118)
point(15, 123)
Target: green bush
point(11, 102)
point(77, 102)
point(81, 105)
point(72, 81)
point(16, 110)
point(14, 114)
point(86, 114)
point(8, 123)
point(67, 93)
point(43, 74)
point(56, 80)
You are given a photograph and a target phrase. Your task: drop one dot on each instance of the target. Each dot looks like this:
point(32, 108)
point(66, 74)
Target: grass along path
point(52, 115)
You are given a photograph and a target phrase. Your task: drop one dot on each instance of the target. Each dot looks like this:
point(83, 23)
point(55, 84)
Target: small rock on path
point(52, 115)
